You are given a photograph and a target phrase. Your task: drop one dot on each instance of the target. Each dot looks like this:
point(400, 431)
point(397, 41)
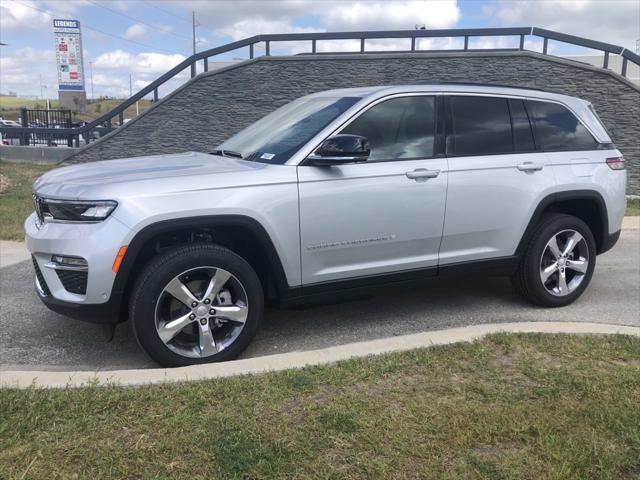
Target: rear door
point(384, 215)
point(496, 177)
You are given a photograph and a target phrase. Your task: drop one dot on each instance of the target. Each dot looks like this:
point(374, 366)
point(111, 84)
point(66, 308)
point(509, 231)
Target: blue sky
point(145, 38)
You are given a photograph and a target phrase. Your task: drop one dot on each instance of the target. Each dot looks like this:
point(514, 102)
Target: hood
point(173, 172)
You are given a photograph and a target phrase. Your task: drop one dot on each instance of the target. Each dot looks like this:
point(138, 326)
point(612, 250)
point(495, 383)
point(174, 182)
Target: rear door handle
point(422, 174)
point(530, 167)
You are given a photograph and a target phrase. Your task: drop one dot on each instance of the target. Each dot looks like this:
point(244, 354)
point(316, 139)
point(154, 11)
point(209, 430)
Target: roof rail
point(476, 84)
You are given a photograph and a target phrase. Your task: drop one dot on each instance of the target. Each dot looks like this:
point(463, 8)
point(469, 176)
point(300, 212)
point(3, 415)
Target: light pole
point(193, 26)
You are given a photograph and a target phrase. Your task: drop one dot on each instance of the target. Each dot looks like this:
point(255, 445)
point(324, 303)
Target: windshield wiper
point(227, 153)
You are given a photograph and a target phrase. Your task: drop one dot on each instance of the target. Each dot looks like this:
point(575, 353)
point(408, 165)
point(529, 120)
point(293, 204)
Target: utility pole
point(193, 26)
point(41, 96)
point(91, 73)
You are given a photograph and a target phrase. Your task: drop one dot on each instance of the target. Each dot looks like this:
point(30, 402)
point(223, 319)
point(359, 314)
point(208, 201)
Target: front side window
point(276, 137)
point(479, 126)
point(558, 129)
point(398, 129)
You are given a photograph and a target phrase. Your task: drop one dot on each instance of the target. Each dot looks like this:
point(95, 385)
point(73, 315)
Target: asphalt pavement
point(34, 338)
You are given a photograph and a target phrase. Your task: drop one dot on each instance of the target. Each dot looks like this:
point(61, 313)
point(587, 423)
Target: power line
point(99, 31)
point(122, 14)
point(184, 19)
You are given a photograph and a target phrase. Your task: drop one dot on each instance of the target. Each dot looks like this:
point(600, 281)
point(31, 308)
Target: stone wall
point(213, 106)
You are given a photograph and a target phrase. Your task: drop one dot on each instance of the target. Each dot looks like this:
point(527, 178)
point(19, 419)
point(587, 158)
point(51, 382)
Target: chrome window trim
point(368, 102)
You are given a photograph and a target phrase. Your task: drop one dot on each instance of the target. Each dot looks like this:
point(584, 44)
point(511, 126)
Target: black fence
point(49, 119)
point(99, 127)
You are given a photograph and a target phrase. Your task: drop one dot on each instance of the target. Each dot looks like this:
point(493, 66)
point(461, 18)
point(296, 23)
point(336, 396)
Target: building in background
point(68, 44)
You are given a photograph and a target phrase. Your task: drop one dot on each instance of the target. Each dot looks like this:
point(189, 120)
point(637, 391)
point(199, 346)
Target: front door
point(384, 215)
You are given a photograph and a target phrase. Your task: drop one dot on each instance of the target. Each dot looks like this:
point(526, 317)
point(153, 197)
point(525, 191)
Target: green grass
point(15, 201)
point(510, 406)
point(10, 107)
point(633, 207)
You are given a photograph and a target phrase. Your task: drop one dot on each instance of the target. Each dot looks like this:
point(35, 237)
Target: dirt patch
point(4, 183)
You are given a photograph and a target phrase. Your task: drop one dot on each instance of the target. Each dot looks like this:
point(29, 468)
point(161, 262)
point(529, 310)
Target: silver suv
point(333, 192)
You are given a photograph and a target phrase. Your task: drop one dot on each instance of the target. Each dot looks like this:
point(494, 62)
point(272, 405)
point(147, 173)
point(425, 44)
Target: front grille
point(72, 281)
point(40, 277)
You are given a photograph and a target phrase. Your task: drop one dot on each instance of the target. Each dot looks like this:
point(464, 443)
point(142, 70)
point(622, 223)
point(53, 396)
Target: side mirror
point(341, 149)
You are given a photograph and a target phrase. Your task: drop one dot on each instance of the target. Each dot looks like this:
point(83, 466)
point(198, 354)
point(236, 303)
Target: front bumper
point(98, 244)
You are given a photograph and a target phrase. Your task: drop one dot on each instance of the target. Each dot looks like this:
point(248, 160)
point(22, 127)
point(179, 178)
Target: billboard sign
point(68, 54)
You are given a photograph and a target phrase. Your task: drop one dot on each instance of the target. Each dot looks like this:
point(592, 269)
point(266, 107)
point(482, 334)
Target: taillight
point(616, 163)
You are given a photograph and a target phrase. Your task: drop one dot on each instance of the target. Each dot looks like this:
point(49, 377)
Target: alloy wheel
point(564, 262)
point(201, 312)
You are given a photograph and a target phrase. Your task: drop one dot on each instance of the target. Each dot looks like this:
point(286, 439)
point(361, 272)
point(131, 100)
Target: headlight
point(73, 210)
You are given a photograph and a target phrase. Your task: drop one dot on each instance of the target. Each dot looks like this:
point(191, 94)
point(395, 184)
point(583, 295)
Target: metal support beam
point(155, 94)
point(413, 44)
point(545, 45)
point(521, 42)
point(251, 51)
point(466, 42)
point(606, 60)
point(624, 67)
point(313, 46)
point(362, 45)
point(267, 48)
point(206, 64)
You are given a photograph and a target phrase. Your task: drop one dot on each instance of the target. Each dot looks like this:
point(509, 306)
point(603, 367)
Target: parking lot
point(32, 337)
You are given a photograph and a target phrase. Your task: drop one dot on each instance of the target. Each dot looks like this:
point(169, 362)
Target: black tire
point(167, 265)
point(527, 279)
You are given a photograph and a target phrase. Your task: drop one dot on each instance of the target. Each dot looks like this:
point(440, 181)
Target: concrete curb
point(296, 360)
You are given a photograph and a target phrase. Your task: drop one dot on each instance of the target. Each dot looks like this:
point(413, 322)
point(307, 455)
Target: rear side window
point(398, 129)
point(558, 129)
point(479, 126)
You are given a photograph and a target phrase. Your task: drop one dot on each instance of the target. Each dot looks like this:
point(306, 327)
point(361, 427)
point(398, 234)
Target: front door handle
point(530, 167)
point(422, 174)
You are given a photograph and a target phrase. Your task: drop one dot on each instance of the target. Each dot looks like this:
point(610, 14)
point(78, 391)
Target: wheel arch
point(588, 205)
point(144, 245)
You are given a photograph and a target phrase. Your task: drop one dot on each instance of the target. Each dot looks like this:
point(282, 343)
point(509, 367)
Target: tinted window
point(479, 126)
point(400, 128)
point(557, 128)
point(522, 135)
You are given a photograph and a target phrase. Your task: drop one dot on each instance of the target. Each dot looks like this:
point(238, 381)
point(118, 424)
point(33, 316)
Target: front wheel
point(558, 262)
point(196, 304)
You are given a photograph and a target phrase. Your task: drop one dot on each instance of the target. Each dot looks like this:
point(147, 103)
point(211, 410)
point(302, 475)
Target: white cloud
point(16, 15)
point(398, 15)
point(136, 31)
point(25, 67)
point(142, 63)
point(244, 19)
point(612, 21)
point(34, 15)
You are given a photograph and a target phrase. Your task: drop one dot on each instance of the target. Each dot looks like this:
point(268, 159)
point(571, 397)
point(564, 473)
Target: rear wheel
point(558, 262)
point(196, 304)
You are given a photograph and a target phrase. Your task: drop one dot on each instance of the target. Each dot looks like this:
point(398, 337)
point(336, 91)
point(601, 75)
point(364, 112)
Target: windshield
point(276, 137)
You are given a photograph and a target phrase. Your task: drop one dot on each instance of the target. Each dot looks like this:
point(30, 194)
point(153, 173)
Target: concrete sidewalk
point(12, 253)
point(296, 360)
point(16, 252)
